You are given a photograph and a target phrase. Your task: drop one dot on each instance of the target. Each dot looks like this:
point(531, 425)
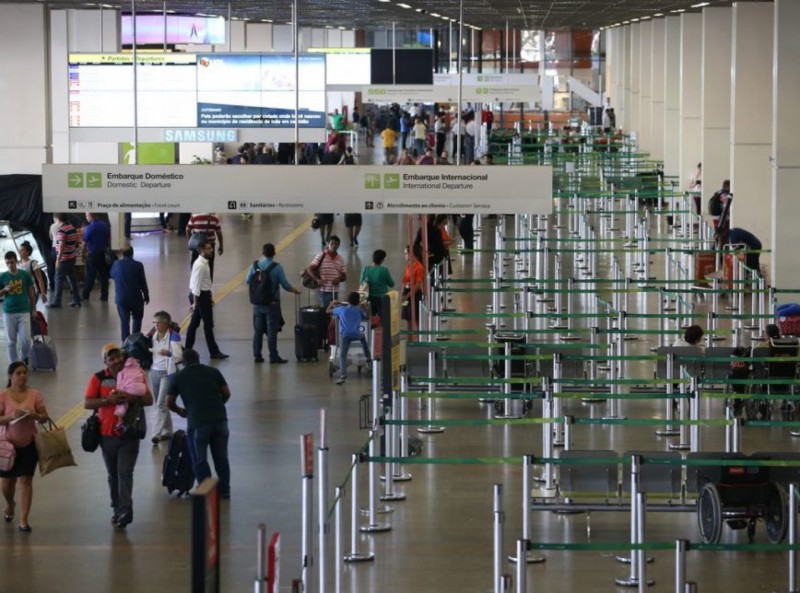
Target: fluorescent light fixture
point(634, 20)
point(201, 14)
point(170, 12)
point(616, 24)
point(659, 14)
point(679, 10)
point(342, 28)
point(626, 22)
point(646, 18)
point(403, 5)
point(384, 1)
point(419, 10)
point(435, 14)
point(700, 5)
point(266, 20)
point(329, 26)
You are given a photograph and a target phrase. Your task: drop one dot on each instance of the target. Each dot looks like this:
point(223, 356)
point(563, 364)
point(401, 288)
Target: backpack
point(138, 345)
point(715, 205)
point(260, 287)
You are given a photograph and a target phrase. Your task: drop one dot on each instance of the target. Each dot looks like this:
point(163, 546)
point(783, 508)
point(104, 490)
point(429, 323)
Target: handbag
point(315, 223)
point(134, 424)
point(195, 239)
point(90, 433)
point(110, 256)
point(53, 448)
point(307, 279)
point(7, 452)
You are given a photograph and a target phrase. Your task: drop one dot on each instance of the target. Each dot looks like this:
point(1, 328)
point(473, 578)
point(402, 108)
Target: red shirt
point(204, 223)
point(100, 386)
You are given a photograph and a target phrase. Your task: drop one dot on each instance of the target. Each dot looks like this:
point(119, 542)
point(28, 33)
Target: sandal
point(8, 518)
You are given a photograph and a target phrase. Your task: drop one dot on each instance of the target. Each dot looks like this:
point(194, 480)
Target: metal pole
point(355, 555)
point(793, 538)
point(522, 567)
point(135, 153)
point(389, 492)
point(498, 517)
point(373, 525)
point(402, 475)
point(308, 510)
point(337, 555)
point(322, 503)
point(527, 465)
point(460, 77)
point(681, 545)
point(430, 428)
point(261, 559)
point(295, 37)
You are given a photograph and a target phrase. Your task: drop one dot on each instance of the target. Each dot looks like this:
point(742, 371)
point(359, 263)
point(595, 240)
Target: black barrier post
point(205, 537)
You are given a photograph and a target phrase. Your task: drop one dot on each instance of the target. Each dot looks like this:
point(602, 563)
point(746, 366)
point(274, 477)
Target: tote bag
point(53, 448)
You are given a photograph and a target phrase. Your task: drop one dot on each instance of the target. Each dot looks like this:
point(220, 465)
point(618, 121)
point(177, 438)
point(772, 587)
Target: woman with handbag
point(167, 353)
point(20, 409)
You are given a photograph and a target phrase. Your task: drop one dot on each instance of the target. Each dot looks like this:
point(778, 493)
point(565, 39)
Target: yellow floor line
point(77, 411)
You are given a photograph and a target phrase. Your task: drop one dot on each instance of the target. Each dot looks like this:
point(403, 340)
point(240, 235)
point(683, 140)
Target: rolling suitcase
point(177, 474)
point(305, 343)
point(318, 319)
point(43, 356)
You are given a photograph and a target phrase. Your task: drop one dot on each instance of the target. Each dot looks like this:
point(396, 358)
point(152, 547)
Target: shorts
point(351, 220)
point(324, 219)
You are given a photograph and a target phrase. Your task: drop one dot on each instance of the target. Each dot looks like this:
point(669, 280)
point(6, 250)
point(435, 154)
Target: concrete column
point(690, 84)
point(23, 99)
point(672, 105)
point(617, 78)
point(784, 263)
point(645, 86)
point(716, 93)
point(633, 96)
point(657, 90)
point(623, 119)
point(751, 106)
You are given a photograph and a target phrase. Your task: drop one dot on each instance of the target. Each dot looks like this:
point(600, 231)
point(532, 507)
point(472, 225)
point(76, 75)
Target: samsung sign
point(197, 135)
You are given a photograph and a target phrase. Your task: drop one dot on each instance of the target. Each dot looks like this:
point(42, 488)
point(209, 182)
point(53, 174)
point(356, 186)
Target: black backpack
point(715, 205)
point(138, 345)
point(260, 285)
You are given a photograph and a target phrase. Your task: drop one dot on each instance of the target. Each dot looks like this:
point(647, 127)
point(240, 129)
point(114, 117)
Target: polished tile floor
point(441, 536)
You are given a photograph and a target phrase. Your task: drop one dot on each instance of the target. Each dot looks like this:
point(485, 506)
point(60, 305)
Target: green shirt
point(379, 278)
point(337, 121)
point(200, 388)
point(17, 299)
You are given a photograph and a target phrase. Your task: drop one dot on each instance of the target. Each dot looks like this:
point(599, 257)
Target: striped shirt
point(67, 242)
point(207, 223)
point(330, 271)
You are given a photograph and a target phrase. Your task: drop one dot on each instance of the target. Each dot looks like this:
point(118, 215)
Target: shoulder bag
point(307, 279)
point(134, 424)
point(7, 452)
point(90, 433)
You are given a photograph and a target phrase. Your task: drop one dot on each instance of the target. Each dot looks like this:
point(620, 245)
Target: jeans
point(96, 266)
point(469, 148)
point(18, 328)
point(130, 318)
point(213, 436)
point(266, 320)
point(66, 271)
point(419, 146)
point(326, 297)
point(119, 454)
point(163, 425)
point(203, 311)
point(344, 348)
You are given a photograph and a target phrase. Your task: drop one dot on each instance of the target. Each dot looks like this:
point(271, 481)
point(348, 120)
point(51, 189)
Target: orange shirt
point(417, 271)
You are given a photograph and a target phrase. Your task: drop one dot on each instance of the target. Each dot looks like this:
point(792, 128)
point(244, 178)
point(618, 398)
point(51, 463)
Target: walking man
point(266, 301)
point(206, 223)
point(66, 254)
point(19, 301)
point(130, 292)
point(202, 306)
point(204, 393)
point(96, 241)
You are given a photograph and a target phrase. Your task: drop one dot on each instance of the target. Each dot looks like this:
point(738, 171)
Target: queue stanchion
point(401, 474)
point(390, 438)
point(323, 526)
point(638, 560)
point(338, 495)
point(306, 545)
point(681, 546)
point(547, 477)
point(645, 274)
point(522, 567)
point(527, 468)
point(793, 538)
point(662, 320)
point(261, 560)
point(557, 291)
point(355, 555)
point(374, 445)
point(666, 294)
point(431, 428)
point(737, 435)
point(558, 374)
point(545, 298)
point(711, 324)
point(499, 579)
point(694, 415)
point(762, 308)
point(511, 407)
point(753, 287)
point(569, 336)
point(613, 404)
point(682, 444)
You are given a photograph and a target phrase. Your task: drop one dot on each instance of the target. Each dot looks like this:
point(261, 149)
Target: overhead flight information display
point(187, 90)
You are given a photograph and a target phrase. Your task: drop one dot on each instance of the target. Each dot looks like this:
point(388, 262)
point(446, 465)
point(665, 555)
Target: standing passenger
point(208, 224)
point(130, 292)
point(96, 240)
point(329, 270)
point(66, 254)
point(379, 279)
point(167, 354)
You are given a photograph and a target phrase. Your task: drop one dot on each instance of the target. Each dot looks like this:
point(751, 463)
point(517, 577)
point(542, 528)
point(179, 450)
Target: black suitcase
point(177, 474)
point(318, 319)
point(305, 342)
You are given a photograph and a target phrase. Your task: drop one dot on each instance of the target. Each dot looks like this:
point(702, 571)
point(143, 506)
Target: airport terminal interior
point(547, 402)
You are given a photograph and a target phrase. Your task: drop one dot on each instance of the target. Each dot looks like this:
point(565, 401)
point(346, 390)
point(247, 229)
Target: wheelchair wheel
point(776, 517)
point(709, 514)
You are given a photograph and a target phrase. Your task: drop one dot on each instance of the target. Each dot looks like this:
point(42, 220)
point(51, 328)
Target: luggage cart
point(355, 356)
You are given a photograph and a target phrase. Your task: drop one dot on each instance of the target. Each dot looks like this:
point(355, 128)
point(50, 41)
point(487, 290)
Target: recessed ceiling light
point(435, 14)
point(700, 5)
point(329, 26)
point(384, 1)
point(403, 5)
point(646, 18)
point(634, 20)
point(626, 22)
point(266, 20)
point(342, 28)
point(659, 14)
point(678, 10)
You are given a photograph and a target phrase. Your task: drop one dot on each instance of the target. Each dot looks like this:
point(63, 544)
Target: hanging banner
point(254, 188)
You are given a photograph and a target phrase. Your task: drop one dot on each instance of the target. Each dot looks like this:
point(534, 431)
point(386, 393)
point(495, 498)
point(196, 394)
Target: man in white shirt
point(469, 140)
point(202, 304)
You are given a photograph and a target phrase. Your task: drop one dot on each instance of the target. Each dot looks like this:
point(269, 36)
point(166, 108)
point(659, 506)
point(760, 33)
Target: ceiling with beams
point(378, 14)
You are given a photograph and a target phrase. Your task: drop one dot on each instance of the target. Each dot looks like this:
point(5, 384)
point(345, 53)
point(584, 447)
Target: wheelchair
point(739, 496)
point(762, 408)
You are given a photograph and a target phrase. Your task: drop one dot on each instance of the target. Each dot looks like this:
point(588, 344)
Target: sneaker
point(341, 380)
point(220, 356)
point(278, 360)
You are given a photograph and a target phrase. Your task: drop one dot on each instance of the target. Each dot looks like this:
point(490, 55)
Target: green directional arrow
point(75, 179)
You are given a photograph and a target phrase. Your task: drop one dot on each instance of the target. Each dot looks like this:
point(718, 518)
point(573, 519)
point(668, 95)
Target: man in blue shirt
point(268, 318)
point(96, 241)
point(349, 317)
point(130, 292)
point(740, 236)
